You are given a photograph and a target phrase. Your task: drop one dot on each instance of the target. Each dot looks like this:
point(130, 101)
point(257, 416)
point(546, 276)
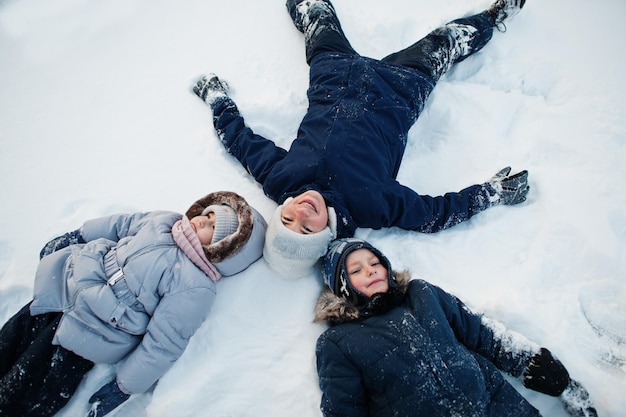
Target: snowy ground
point(97, 117)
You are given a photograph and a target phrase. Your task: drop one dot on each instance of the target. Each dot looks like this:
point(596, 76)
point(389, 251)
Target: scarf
point(187, 240)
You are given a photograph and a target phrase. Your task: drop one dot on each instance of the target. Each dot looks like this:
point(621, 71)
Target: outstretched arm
point(256, 153)
point(514, 354)
point(400, 206)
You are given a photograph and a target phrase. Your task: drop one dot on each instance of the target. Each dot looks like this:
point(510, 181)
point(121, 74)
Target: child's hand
point(511, 189)
point(546, 374)
point(209, 88)
point(577, 402)
point(70, 238)
point(106, 399)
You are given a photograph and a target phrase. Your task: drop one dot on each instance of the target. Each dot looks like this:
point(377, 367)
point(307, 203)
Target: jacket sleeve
point(508, 351)
point(343, 394)
point(175, 320)
point(256, 153)
point(399, 206)
point(112, 227)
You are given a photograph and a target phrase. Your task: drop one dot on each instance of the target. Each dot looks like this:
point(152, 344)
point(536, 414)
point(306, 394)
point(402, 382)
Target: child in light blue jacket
point(131, 288)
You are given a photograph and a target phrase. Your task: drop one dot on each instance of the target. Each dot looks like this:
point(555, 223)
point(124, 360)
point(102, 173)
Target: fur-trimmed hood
point(246, 242)
point(333, 309)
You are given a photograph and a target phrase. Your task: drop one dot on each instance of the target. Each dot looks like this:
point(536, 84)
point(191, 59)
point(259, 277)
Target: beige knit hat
point(225, 221)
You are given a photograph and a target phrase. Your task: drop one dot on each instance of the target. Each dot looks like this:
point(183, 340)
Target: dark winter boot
point(320, 25)
point(505, 10)
point(306, 12)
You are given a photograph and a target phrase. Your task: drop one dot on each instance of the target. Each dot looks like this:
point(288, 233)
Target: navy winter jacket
point(349, 147)
point(430, 356)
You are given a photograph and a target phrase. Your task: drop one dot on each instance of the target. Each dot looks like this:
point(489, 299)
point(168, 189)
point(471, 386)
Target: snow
point(97, 117)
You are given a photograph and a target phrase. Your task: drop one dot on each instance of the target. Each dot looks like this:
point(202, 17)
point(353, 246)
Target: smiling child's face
point(305, 213)
point(366, 273)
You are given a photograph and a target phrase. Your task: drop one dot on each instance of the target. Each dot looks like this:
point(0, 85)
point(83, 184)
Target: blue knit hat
point(334, 271)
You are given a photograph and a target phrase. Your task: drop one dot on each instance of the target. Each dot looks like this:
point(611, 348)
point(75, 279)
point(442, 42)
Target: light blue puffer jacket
point(170, 296)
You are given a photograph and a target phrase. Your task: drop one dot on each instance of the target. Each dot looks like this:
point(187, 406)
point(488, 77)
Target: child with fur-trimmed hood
point(400, 347)
point(128, 289)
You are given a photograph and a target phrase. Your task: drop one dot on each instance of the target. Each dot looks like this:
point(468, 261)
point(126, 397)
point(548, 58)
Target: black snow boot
point(505, 10)
point(305, 12)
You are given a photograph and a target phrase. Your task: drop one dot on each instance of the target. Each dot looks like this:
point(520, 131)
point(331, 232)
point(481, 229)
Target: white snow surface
point(97, 117)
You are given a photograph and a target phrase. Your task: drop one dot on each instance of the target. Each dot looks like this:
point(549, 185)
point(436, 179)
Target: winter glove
point(546, 374)
point(576, 401)
point(510, 189)
point(70, 238)
point(106, 399)
point(210, 88)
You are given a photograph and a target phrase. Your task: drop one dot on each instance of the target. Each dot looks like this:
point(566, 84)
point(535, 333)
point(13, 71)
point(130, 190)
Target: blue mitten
point(106, 399)
point(63, 241)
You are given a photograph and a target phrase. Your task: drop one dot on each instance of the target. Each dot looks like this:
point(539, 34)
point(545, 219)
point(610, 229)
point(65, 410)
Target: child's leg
point(66, 372)
point(319, 23)
point(18, 333)
point(447, 45)
point(43, 377)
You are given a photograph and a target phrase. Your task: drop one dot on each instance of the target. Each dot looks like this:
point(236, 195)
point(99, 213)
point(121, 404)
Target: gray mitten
point(576, 401)
point(510, 189)
point(209, 88)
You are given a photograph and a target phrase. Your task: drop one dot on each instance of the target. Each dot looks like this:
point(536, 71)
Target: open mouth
point(310, 204)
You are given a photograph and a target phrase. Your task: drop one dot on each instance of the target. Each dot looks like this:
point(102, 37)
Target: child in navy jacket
point(401, 347)
point(340, 172)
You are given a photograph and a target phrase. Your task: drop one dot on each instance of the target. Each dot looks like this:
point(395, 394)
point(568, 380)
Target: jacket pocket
point(128, 320)
point(86, 335)
point(108, 308)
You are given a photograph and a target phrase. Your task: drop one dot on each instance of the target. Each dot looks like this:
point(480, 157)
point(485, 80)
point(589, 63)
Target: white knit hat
point(293, 255)
point(225, 221)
